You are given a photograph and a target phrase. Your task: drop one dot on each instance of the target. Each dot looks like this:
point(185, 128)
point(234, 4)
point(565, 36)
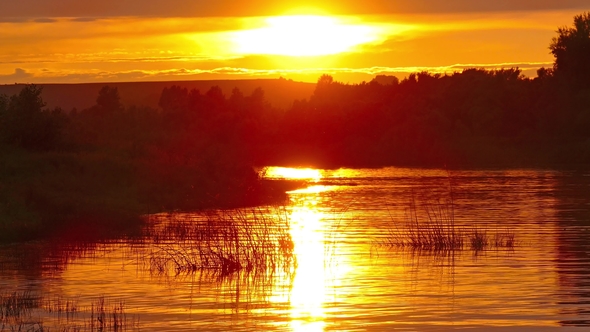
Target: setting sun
point(304, 35)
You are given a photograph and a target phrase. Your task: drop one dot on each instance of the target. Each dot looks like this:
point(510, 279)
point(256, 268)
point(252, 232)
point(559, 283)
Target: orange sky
point(67, 41)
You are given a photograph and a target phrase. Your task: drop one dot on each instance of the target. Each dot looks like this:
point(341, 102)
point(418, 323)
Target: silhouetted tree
point(325, 79)
point(571, 50)
point(386, 80)
point(3, 107)
point(174, 99)
point(215, 98)
point(544, 73)
point(25, 123)
point(237, 101)
point(108, 99)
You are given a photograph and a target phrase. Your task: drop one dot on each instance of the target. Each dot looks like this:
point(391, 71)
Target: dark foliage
point(571, 49)
point(25, 123)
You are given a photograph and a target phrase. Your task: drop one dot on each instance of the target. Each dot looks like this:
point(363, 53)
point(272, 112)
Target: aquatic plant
point(15, 312)
point(65, 309)
point(432, 227)
point(102, 315)
point(478, 239)
point(504, 239)
point(224, 242)
point(103, 319)
point(435, 232)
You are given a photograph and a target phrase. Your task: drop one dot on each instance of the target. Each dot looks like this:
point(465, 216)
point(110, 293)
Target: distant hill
point(279, 92)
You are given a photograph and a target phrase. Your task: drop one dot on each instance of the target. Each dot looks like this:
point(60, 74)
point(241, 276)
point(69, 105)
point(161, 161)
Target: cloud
point(45, 20)
point(84, 19)
point(231, 8)
point(308, 74)
point(19, 75)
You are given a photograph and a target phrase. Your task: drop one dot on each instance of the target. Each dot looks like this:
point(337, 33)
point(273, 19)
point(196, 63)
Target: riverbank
point(101, 194)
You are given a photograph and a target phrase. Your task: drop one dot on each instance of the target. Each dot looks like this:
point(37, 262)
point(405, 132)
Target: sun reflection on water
point(289, 173)
point(314, 277)
point(308, 294)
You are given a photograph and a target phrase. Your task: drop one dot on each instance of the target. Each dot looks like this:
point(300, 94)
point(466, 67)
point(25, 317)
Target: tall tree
point(571, 49)
point(108, 99)
point(25, 123)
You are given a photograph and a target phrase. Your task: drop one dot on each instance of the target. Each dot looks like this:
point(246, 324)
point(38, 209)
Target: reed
point(15, 312)
point(435, 229)
point(65, 309)
point(432, 227)
point(249, 240)
point(478, 239)
point(504, 239)
point(105, 318)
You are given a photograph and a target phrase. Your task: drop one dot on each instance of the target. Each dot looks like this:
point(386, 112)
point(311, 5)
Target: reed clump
point(103, 315)
point(16, 312)
point(65, 309)
point(433, 228)
point(504, 239)
point(107, 318)
point(437, 231)
point(479, 239)
point(225, 242)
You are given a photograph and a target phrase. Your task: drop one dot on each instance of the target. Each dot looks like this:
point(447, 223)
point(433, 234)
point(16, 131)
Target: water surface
point(344, 278)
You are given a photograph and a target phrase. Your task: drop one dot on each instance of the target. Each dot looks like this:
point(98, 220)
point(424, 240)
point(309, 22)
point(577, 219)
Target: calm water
point(344, 278)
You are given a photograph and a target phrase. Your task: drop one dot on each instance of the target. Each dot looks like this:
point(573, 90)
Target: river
point(351, 266)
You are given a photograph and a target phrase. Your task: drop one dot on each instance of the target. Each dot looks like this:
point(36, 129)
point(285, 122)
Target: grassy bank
point(48, 193)
point(100, 193)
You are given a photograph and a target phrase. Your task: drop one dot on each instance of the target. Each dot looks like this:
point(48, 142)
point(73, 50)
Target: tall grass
point(436, 231)
point(18, 311)
point(15, 312)
point(225, 242)
point(432, 227)
point(107, 318)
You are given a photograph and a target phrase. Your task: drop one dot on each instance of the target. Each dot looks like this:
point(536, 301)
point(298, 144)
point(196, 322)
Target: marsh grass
point(224, 242)
point(479, 239)
point(102, 315)
point(504, 239)
point(432, 227)
point(435, 229)
point(16, 312)
point(65, 309)
point(105, 316)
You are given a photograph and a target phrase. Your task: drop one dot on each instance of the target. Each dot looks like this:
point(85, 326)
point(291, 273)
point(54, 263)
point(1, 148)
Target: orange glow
point(304, 35)
point(302, 44)
point(293, 173)
point(308, 294)
point(319, 272)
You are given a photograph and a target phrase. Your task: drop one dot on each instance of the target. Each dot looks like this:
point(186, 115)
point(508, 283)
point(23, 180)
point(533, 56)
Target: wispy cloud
point(47, 76)
point(231, 8)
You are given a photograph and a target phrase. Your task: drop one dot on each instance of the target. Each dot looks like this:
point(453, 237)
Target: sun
point(303, 35)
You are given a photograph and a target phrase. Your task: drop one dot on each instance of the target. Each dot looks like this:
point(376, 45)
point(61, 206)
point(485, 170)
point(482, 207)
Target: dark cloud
point(13, 19)
point(208, 8)
point(19, 75)
point(84, 19)
point(45, 20)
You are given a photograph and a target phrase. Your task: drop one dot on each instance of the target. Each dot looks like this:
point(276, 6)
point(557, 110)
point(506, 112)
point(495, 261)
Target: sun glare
point(303, 35)
point(293, 173)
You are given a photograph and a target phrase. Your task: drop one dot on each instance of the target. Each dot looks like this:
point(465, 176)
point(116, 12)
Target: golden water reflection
point(316, 274)
point(341, 282)
point(291, 173)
